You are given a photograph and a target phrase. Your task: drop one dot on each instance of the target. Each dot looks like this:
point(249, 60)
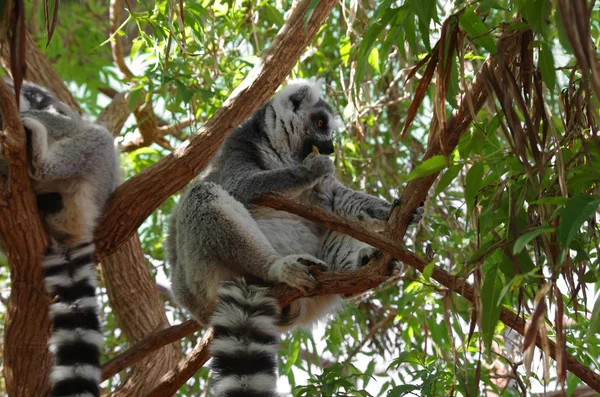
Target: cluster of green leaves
point(497, 217)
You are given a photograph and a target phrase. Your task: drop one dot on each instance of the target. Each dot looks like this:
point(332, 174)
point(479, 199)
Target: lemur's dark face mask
point(319, 127)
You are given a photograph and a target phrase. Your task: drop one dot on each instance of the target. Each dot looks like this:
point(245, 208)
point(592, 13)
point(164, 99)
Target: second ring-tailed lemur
point(74, 170)
point(217, 235)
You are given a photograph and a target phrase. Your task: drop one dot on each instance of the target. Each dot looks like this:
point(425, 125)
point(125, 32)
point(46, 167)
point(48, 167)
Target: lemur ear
point(297, 94)
point(297, 97)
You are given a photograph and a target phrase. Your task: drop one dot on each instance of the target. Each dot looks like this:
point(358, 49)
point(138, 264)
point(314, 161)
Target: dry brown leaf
point(18, 66)
point(420, 91)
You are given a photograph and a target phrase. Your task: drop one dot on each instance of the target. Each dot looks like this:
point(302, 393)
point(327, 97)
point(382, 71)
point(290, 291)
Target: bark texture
point(26, 358)
point(137, 306)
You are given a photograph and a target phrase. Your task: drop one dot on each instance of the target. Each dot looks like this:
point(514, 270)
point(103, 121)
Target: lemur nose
point(326, 147)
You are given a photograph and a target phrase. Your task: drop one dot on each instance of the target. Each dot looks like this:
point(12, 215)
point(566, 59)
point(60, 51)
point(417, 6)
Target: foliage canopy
point(515, 210)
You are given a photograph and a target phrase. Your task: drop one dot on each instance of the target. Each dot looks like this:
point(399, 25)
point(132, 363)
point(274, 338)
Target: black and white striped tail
point(246, 340)
point(76, 338)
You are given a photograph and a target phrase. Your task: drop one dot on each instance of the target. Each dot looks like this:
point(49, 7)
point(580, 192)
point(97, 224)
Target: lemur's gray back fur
point(74, 169)
point(217, 235)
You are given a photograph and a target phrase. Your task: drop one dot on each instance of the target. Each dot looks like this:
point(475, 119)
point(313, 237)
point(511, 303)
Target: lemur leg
point(371, 211)
point(343, 252)
point(221, 231)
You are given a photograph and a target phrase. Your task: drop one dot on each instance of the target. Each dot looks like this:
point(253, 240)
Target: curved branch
point(172, 381)
point(147, 136)
point(114, 116)
point(116, 6)
point(150, 343)
point(126, 211)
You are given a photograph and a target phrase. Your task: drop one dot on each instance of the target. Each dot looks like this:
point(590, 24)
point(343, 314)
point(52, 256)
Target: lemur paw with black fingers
point(297, 271)
point(417, 214)
point(319, 165)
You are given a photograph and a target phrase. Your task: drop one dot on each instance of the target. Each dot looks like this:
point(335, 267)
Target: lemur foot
point(366, 254)
point(296, 271)
point(417, 214)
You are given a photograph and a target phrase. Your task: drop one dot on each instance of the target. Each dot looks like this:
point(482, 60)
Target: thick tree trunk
point(26, 361)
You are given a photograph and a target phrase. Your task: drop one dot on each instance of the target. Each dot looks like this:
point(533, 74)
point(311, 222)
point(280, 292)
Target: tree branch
point(126, 211)
point(172, 381)
point(153, 341)
point(114, 116)
point(115, 10)
point(150, 131)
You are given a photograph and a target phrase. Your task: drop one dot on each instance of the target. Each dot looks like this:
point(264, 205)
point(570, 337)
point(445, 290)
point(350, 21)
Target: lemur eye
point(320, 123)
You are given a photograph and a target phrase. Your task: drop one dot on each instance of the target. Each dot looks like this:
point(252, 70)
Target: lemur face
point(301, 120)
point(319, 127)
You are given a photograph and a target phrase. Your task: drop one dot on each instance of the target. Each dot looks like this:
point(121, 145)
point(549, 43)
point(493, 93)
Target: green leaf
point(563, 38)
point(411, 33)
point(453, 87)
point(595, 320)
point(527, 237)
point(385, 15)
point(448, 177)
point(473, 183)
point(135, 47)
point(428, 270)
point(490, 294)
point(558, 200)
point(374, 60)
point(578, 210)
point(345, 50)
point(135, 96)
point(471, 23)
point(402, 390)
point(428, 167)
point(536, 12)
point(424, 10)
point(546, 65)
point(589, 277)
point(405, 357)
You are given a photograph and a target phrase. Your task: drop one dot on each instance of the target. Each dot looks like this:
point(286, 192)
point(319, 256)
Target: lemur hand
point(39, 144)
point(417, 214)
point(318, 165)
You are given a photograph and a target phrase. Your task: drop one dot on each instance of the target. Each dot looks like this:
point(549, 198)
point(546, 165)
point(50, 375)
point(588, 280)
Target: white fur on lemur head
point(35, 97)
point(297, 118)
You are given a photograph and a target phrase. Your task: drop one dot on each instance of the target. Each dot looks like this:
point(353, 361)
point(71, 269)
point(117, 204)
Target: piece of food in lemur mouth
point(315, 150)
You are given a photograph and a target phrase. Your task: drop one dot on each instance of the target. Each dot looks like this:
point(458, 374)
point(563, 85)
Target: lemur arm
point(70, 156)
point(291, 180)
point(353, 204)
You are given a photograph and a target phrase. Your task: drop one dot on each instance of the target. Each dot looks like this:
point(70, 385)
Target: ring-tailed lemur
point(217, 235)
point(74, 169)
